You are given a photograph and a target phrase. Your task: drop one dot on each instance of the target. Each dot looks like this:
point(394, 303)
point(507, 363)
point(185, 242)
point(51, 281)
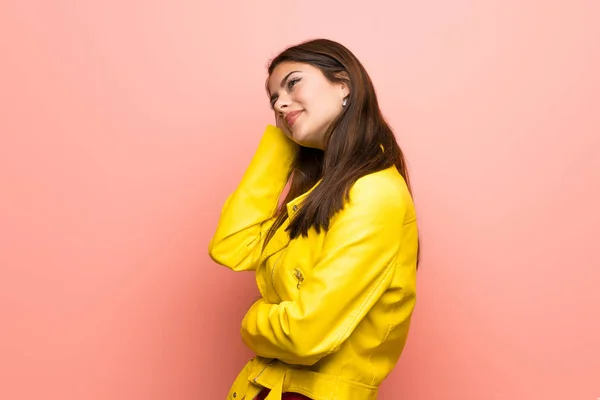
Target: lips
point(291, 117)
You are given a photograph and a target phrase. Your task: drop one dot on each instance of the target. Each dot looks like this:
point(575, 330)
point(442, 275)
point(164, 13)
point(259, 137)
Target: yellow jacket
point(336, 306)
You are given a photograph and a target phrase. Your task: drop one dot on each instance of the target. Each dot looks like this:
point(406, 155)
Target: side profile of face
point(305, 102)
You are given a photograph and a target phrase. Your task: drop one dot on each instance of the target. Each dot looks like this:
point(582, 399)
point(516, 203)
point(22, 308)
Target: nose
point(282, 103)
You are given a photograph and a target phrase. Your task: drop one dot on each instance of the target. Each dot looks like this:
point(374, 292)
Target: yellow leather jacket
point(336, 306)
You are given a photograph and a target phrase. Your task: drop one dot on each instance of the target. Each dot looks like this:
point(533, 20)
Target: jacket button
point(295, 208)
point(234, 395)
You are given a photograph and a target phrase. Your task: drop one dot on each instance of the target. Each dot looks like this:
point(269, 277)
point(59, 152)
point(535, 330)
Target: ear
point(345, 89)
point(344, 83)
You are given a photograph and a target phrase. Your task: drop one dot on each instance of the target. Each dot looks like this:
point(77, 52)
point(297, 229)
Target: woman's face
point(305, 102)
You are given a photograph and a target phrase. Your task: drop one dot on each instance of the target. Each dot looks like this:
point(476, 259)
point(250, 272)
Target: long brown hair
point(353, 142)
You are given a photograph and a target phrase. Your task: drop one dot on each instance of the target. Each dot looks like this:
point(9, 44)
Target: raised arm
point(248, 212)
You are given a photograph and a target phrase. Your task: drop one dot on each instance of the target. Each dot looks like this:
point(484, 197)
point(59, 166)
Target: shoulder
point(381, 197)
point(385, 188)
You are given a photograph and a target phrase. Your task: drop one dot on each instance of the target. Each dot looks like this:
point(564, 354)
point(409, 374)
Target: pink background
point(125, 124)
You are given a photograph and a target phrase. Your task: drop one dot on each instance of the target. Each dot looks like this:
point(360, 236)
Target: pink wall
point(124, 125)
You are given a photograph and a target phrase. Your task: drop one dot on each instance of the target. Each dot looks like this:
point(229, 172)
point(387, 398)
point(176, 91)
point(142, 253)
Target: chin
point(301, 138)
point(305, 137)
point(298, 135)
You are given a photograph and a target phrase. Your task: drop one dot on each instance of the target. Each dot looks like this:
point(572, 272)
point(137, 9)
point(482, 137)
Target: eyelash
point(294, 81)
point(290, 85)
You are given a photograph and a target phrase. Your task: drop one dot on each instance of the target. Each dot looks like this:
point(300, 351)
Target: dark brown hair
point(352, 142)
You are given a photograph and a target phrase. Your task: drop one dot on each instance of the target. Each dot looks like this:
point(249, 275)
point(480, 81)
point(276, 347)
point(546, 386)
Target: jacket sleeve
point(248, 212)
point(354, 270)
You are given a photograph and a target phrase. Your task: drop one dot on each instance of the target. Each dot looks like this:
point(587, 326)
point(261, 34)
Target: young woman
point(336, 262)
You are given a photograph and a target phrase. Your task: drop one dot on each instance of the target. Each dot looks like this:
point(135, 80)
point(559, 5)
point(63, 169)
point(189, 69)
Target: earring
point(345, 102)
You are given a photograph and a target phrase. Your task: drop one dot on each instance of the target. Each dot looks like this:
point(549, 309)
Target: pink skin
point(305, 102)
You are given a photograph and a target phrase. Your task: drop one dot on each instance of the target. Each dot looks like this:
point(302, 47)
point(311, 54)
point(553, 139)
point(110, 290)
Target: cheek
point(327, 110)
point(303, 98)
point(311, 102)
point(320, 105)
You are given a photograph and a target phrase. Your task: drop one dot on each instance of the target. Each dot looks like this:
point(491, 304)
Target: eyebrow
point(275, 96)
